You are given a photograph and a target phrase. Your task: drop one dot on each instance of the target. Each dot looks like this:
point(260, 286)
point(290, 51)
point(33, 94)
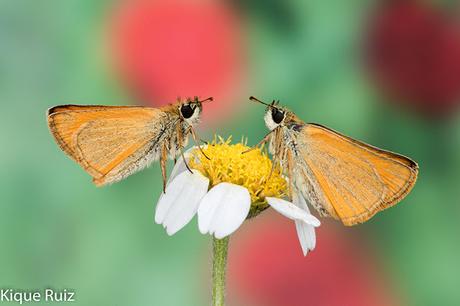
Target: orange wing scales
point(109, 142)
point(351, 180)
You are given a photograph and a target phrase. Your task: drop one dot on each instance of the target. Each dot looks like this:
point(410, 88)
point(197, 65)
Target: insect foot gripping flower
point(227, 189)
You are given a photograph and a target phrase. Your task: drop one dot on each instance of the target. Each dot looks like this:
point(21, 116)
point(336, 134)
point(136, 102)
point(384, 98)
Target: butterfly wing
point(348, 179)
point(109, 142)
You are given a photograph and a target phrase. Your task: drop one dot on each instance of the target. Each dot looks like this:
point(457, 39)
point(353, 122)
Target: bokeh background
point(385, 72)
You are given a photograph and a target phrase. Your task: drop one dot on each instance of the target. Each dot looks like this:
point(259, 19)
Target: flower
point(227, 189)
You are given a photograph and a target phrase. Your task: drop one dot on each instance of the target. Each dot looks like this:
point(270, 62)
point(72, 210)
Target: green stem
point(219, 267)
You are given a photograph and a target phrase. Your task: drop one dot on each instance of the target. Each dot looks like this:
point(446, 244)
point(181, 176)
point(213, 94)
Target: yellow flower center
point(252, 170)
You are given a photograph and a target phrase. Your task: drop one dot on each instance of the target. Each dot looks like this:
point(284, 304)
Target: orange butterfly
point(113, 142)
point(341, 177)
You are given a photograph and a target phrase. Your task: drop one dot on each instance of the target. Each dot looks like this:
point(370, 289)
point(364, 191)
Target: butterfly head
point(275, 115)
point(190, 110)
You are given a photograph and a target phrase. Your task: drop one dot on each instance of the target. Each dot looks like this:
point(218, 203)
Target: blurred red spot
point(267, 267)
point(170, 48)
point(414, 54)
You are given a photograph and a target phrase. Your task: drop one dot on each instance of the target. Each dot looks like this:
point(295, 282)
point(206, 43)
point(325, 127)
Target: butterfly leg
point(195, 138)
point(185, 161)
point(163, 159)
point(274, 163)
point(264, 140)
point(289, 174)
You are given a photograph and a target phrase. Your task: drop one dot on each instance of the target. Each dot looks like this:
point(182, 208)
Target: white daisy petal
point(299, 201)
point(307, 236)
point(180, 167)
point(291, 211)
point(179, 204)
point(223, 209)
point(305, 232)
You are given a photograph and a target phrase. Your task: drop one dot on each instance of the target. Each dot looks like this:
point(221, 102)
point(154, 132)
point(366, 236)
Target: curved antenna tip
point(210, 99)
point(252, 98)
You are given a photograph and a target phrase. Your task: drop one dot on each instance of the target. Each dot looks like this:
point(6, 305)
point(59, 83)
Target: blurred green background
point(58, 230)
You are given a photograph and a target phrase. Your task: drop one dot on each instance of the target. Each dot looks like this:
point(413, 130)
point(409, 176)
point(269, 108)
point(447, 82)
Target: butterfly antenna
point(259, 101)
point(210, 99)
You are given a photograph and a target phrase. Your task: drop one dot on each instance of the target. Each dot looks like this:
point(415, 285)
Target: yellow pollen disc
point(252, 170)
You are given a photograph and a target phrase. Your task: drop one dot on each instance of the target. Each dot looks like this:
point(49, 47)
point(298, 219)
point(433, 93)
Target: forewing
point(351, 180)
point(109, 142)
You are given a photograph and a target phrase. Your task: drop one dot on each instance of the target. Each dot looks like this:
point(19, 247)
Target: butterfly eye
point(277, 115)
point(187, 111)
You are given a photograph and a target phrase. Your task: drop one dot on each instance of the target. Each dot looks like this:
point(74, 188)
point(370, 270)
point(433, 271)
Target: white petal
point(305, 232)
point(299, 201)
point(223, 209)
point(291, 211)
point(180, 167)
point(307, 236)
point(179, 204)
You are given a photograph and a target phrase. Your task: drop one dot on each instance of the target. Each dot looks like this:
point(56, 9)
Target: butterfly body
point(113, 142)
point(340, 176)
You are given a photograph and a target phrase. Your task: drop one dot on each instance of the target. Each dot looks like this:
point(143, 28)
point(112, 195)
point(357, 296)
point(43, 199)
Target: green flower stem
point(219, 268)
